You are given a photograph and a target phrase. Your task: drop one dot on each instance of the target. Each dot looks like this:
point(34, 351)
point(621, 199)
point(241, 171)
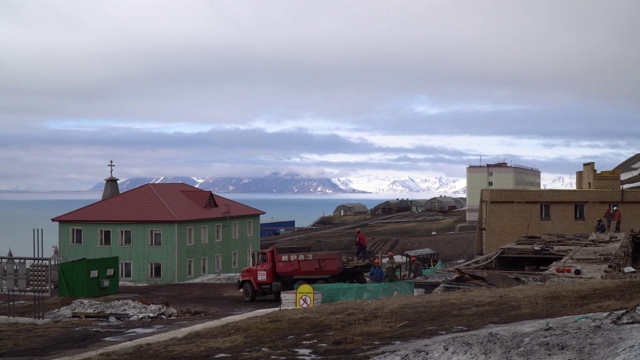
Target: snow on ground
point(217, 278)
point(594, 336)
point(127, 309)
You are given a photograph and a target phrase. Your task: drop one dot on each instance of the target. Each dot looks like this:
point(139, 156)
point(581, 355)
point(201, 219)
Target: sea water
point(27, 216)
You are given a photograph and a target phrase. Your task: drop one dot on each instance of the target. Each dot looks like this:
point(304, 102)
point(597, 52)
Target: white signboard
point(262, 276)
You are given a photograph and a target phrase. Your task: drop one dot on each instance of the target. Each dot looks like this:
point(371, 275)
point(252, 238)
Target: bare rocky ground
point(600, 318)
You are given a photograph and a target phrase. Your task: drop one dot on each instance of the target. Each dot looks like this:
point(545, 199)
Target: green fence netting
point(340, 292)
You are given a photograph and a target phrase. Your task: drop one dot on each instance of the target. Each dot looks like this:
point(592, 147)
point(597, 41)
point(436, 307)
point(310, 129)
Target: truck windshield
point(262, 258)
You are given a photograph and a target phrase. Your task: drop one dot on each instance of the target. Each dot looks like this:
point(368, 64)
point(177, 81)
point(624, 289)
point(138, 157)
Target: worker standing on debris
point(416, 268)
point(360, 245)
point(390, 269)
point(618, 216)
point(600, 227)
point(608, 217)
point(376, 274)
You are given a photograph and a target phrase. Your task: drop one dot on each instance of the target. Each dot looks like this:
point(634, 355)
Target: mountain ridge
point(293, 184)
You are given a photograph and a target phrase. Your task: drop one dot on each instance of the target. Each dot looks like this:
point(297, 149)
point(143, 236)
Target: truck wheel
point(361, 279)
point(248, 292)
point(277, 296)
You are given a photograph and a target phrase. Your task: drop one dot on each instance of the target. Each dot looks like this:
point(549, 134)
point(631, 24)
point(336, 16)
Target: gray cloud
point(204, 88)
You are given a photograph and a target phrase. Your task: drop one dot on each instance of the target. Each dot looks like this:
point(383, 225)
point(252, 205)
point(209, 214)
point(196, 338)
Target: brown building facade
point(507, 215)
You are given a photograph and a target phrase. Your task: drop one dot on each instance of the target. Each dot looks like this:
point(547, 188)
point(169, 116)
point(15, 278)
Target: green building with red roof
point(162, 233)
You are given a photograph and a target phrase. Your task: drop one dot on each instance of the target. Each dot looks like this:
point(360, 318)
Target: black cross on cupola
point(111, 166)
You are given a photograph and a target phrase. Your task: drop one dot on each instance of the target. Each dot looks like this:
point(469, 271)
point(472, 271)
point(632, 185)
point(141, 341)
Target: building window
point(155, 237)
point(76, 236)
point(105, 237)
point(204, 234)
point(204, 265)
point(189, 267)
point(155, 270)
point(218, 263)
point(234, 230)
point(219, 232)
point(234, 259)
point(249, 227)
point(578, 211)
point(125, 270)
point(545, 211)
point(126, 237)
point(189, 236)
point(490, 183)
point(249, 258)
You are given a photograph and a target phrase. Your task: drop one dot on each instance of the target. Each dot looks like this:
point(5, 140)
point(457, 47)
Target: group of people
point(609, 216)
point(378, 274)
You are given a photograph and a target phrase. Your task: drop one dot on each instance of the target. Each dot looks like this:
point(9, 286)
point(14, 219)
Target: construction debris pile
point(593, 256)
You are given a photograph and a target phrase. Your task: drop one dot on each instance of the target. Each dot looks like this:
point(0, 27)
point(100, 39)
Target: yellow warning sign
point(304, 296)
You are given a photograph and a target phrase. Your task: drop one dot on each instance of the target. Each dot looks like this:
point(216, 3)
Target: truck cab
point(259, 277)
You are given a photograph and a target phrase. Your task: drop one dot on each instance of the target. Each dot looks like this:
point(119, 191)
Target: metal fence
point(24, 278)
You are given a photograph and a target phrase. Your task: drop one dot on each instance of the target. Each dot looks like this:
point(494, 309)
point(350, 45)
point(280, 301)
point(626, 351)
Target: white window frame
point(122, 237)
point(75, 238)
point(218, 263)
point(124, 270)
point(152, 237)
point(153, 268)
point(190, 240)
point(218, 232)
point(249, 257)
point(204, 234)
point(102, 237)
point(234, 259)
point(235, 230)
point(190, 268)
point(249, 227)
point(204, 265)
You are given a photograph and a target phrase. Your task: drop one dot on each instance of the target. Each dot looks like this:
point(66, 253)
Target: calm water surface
point(19, 216)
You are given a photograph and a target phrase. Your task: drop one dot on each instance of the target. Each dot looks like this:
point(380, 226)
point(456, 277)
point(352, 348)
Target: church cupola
point(111, 184)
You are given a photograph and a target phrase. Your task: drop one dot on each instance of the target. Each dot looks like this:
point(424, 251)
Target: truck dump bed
point(309, 263)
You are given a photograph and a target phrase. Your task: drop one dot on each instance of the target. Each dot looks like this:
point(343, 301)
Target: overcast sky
point(317, 88)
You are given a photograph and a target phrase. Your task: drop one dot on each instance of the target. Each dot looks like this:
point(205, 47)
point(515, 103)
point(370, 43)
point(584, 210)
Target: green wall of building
point(174, 251)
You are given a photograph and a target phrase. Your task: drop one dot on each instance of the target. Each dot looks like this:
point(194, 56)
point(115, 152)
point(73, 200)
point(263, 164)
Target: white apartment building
point(497, 176)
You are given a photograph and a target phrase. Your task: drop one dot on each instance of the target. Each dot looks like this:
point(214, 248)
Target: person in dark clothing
point(600, 226)
point(416, 268)
point(390, 269)
point(376, 274)
point(360, 245)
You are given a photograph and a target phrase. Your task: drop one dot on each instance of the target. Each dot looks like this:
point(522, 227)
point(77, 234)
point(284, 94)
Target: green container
point(343, 292)
point(89, 277)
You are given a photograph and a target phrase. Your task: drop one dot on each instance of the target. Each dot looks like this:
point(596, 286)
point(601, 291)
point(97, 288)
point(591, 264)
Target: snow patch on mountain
point(364, 184)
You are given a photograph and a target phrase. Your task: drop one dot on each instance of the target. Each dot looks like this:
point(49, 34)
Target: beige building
point(507, 215)
point(497, 176)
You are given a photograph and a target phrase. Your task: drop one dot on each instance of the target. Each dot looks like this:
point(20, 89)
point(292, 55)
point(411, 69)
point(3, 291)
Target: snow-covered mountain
point(291, 184)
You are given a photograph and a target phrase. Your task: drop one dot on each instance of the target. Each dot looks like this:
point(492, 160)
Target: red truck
point(281, 268)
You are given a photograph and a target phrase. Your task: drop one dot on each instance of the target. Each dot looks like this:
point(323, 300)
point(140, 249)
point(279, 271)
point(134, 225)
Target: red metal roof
point(174, 202)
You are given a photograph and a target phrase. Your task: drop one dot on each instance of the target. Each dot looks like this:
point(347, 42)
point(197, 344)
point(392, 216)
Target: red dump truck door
point(265, 269)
